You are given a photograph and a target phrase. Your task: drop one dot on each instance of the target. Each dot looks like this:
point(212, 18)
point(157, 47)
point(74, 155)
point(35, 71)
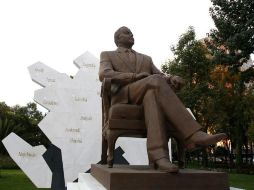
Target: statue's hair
point(117, 33)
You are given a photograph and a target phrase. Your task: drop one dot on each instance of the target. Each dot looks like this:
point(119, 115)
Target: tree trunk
point(204, 157)
point(239, 144)
point(246, 152)
point(251, 153)
point(231, 153)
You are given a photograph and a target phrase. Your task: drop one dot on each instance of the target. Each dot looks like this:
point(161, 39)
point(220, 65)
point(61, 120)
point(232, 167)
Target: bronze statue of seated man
point(137, 81)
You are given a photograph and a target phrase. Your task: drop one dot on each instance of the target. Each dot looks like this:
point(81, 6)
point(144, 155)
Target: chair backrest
point(132, 118)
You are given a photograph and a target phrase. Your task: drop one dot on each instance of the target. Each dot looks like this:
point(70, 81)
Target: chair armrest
point(106, 101)
point(106, 87)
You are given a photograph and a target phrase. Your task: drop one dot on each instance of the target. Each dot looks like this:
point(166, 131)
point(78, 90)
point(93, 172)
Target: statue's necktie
point(132, 58)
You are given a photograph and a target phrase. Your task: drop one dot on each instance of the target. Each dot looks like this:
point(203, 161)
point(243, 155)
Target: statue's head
point(124, 37)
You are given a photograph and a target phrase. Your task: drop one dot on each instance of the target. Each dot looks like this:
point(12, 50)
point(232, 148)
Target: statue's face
point(126, 37)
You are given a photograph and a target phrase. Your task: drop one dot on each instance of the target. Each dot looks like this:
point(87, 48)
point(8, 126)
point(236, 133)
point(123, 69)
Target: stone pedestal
point(123, 177)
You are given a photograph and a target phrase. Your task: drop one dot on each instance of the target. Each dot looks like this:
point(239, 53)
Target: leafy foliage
point(231, 44)
point(23, 121)
point(191, 62)
point(212, 90)
point(234, 20)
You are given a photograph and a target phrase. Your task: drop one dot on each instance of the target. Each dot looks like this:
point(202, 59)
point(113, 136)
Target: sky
point(56, 32)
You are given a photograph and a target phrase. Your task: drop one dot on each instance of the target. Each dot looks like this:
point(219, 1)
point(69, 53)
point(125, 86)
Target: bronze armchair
point(123, 120)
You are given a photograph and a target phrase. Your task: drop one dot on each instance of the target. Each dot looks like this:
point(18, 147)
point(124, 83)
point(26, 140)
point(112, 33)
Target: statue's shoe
point(165, 165)
point(202, 139)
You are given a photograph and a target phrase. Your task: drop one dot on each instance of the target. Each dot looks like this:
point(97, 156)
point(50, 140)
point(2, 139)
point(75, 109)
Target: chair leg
point(111, 138)
point(104, 150)
point(181, 154)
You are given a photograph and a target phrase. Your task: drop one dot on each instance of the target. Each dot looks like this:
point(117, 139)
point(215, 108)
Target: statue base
point(127, 177)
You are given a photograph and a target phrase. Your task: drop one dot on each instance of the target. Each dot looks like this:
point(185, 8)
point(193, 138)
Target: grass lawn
point(14, 179)
point(242, 181)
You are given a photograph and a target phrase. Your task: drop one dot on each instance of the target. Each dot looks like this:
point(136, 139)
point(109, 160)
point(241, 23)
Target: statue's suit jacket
point(116, 65)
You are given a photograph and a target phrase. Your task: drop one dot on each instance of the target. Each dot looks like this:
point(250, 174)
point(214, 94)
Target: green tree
point(23, 121)
point(251, 138)
point(231, 44)
point(192, 62)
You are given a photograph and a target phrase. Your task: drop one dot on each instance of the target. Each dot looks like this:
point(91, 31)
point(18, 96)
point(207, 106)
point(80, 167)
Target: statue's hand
point(177, 82)
point(141, 75)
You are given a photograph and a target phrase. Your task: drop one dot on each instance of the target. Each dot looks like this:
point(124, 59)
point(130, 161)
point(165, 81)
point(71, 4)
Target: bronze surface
point(144, 178)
